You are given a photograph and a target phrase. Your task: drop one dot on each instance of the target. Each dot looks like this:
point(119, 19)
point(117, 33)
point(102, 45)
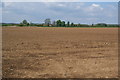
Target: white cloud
point(93, 8)
point(61, 5)
point(95, 5)
point(54, 4)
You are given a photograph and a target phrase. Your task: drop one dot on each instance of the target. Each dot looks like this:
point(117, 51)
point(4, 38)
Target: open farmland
point(34, 52)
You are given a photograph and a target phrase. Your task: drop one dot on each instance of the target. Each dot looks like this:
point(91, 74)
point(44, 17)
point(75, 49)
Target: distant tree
point(24, 22)
point(59, 23)
point(92, 24)
point(27, 24)
point(68, 23)
point(101, 24)
point(47, 22)
point(72, 24)
point(63, 23)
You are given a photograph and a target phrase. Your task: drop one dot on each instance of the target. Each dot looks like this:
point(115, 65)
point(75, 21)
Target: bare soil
point(34, 52)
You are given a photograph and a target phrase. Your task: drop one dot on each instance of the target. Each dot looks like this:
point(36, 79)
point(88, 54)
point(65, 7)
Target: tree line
point(48, 23)
point(59, 23)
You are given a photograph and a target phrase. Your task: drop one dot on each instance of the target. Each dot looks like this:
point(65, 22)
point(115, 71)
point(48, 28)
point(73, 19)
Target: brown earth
point(34, 52)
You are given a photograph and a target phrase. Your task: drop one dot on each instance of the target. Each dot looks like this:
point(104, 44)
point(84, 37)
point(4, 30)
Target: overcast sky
point(77, 12)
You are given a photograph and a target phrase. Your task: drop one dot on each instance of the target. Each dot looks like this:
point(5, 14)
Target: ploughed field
point(34, 52)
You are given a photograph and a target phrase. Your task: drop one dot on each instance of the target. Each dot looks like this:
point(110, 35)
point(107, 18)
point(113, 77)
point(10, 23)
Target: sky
point(76, 12)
